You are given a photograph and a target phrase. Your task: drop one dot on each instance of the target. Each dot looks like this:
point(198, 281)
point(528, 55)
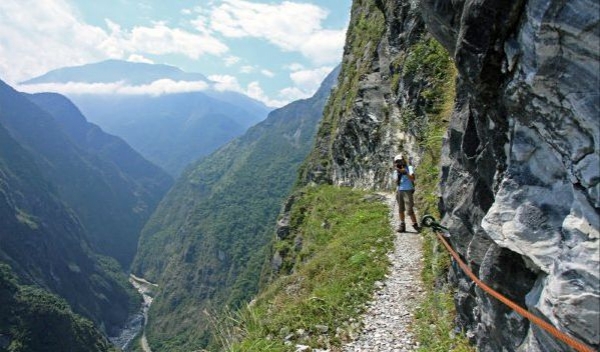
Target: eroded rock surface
point(522, 164)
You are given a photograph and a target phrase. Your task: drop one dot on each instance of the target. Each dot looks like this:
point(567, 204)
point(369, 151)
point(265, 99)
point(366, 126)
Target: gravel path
point(386, 324)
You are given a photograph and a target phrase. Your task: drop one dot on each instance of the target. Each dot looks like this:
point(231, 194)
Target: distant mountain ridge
point(170, 130)
point(109, 71)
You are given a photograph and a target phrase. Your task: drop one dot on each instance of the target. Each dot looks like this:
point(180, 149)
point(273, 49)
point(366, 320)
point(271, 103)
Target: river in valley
point(138, 321)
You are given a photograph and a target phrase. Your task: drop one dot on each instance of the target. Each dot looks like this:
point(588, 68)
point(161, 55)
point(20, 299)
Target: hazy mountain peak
point(117, 71)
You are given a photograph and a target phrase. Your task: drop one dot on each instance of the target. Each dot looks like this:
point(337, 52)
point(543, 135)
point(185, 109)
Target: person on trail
point(405, 192)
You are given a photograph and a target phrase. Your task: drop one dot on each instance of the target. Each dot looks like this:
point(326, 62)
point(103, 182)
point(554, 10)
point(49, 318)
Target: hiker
point(405, 191)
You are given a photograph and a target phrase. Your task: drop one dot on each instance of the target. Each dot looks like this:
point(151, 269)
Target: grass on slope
point(345, 237)
point(434, 318)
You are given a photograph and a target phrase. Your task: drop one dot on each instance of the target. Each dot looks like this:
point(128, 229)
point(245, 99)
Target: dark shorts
point(405, 201)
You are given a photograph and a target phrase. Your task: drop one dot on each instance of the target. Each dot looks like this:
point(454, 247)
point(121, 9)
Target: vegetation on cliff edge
point(32, 319)
point(345, 236)
point(434, 323)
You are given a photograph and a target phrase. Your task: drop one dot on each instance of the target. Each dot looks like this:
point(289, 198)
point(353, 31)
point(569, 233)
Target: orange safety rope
point(577, 345)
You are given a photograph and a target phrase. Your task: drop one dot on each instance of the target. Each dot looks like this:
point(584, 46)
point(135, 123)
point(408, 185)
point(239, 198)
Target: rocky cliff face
point(521, 171)
point(520, 162)
point(363, 124)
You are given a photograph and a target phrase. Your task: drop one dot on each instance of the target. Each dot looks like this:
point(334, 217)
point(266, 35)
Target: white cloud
point(225, 82)
point(231, 60)
point(165, 86)
point(310, 80)
point(200, 23)
point(295, 66)
point(253, 89)
point(252, 69)
point(293, 93)
point(156, 88)
point(267, 73)
point(306, 82)
point(139, 58)
point(44, 35)
point(51, 34)
point(285, 25)
point(161, 39)
point(72, 88)
point(324, 47)
point(290, 26)
point(247, 69)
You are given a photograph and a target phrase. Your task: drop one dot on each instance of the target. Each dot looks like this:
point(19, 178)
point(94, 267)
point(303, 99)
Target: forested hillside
point(113, 214)
point(32, 319)
point(47, 248)
point(111, 204)
point(205, 245)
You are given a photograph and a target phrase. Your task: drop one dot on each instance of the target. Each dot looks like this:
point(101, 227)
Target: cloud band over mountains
point(156, 88)
point(304, 81)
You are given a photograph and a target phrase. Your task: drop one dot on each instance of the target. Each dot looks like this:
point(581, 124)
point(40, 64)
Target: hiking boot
point(417, 228)
point(402, 227)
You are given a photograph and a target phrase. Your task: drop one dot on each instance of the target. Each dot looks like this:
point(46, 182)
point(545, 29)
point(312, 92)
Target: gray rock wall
point(521, 170)
point(360, 133)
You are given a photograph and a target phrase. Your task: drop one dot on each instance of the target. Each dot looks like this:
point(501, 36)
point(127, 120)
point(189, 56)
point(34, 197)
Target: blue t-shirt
point(405, 183)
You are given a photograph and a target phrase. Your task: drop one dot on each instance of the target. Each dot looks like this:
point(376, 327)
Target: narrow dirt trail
point(386, 324)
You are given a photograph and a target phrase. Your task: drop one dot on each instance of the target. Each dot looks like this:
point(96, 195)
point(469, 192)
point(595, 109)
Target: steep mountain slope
point(111, 205)
point(395, 95)
point(110, 71)
point(33, 320)
point(205, 243)
point(336, 252)
point(45, 245)
point(149, 181)
point(171, 130)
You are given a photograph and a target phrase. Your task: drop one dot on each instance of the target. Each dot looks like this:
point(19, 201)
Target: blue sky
point(275, 51)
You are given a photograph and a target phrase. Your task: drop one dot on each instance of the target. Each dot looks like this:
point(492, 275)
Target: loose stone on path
point(387, 321)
